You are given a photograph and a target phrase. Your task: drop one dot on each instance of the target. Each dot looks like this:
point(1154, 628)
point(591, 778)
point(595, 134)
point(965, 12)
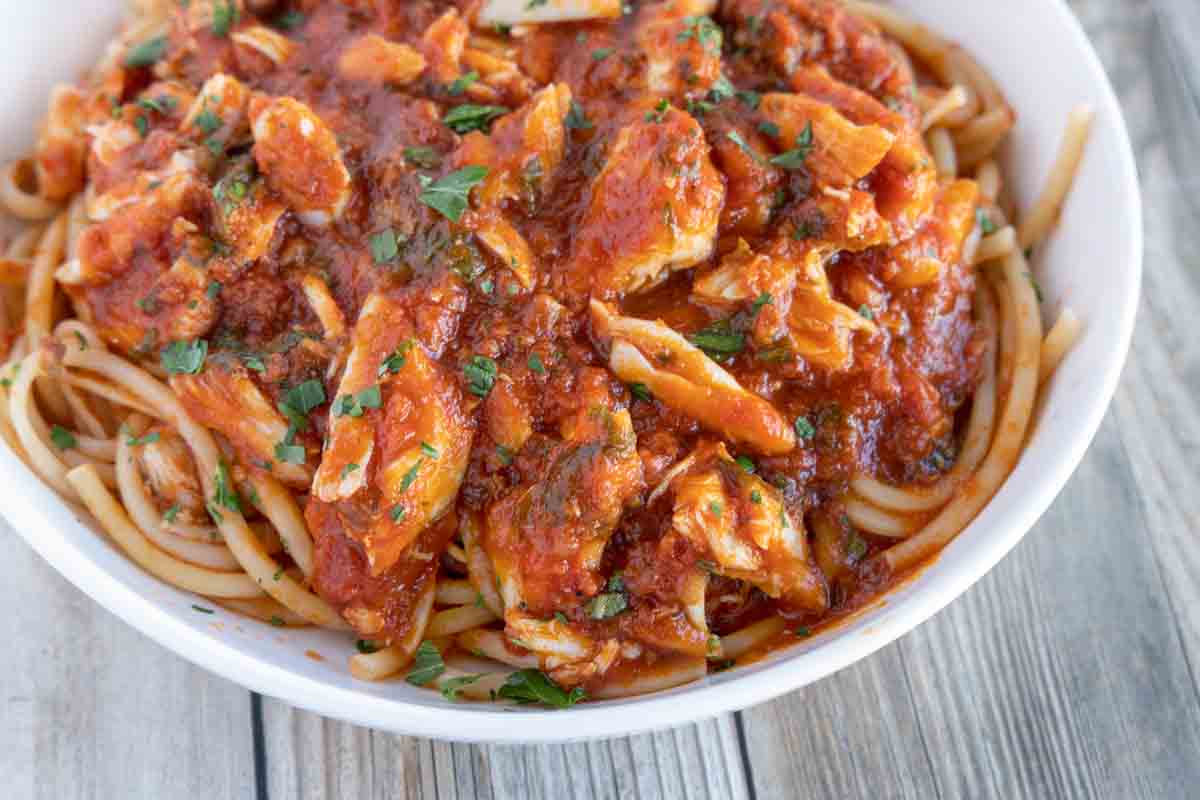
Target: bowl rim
point(38, 514)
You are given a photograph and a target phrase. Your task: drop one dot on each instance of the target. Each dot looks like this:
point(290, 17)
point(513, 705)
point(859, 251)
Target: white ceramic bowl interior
point(1045, 64)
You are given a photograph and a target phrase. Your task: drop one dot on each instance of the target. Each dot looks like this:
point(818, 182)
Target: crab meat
point(224, 397)
point(546, 536)
point(839, 152)
point(443, 43)
point(682, 50)
point(101, 206)
point(373, 58)
point(654, 208)
point(739, 525)
point(218, 114)
point(399, 438)
point(681, 376)
point(802, 316)
point(522, 12)
point(299, 155)
point(270, 43)
point(249, 213)
point(166, 463)
point(62, 146)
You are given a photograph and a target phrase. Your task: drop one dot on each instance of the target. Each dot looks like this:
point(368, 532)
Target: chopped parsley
point(532, 4)
point(202, 609)
point(62, 438)
point(397, 513)
point(746, 464)
point(535, 364)
point(737, 139)
point(504, 454)
point(411, 476)
point(804, 428)
point(576, 119)
point(985, 222)
point(749, 99)
point(289, 20)
point(429, 450)
point(171, 513)
point(769, 128)
point(659, 112)
point(163, 104)
point(1037, 287)
point(804, 632)
point(601, 53)
point(146, 53)
point(449, 195)
point(138, 441)
point(533, 686)
point(423, 157)
point(472, 117)
point(856, 548)
point(427, 665)
point(277, 621)
point(224, 495)
point(606, 605)
point(719, 340)
point(385, 246)
point(395, 360)
point(365, 646)
point(214, 289)
point(452, 686)
point(481, 374)
point(756, 497)
point(795, 158)
point(288, 452)
point(225, 14)
point(353, 405)
point(208, 122)
point(461, 83)
point(716, 509)
point(301, 399)
point(865, 312)
point(641, 391)
point(704, 31)
point(184, 357)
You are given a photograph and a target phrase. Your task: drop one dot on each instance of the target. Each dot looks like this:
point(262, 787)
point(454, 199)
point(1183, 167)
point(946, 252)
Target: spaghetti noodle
point(558, 352)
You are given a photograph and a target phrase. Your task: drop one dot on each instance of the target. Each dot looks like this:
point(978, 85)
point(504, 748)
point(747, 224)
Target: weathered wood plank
point(89, 708)
point(311, 757)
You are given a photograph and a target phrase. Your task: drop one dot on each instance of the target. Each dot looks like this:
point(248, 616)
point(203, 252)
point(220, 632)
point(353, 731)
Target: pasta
point(551, 351)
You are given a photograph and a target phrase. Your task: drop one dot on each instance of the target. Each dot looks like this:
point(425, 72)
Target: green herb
point(349, 468)
point(721, 666)
point(143, 126)
point(721, 89)
point(606, 605)
point(616, 583)
point(146, 53)
point(471, 117)
point(804, 428)
point(707, 566)
point(207, 122)
point(737, 139)
point(745, 463)
point(533, 686)
point(716, 509)
point(749, 99)
point(1037, 287)
point(805, 229)
point(856, 547)
point(756, 497)
point(365, 646)
point(641, 391)
point(277, 621)
point(803, 632)
point(763, 299)
point(461, 83)
point(224, 495)
point(659, 112)
point(353, 405)
point(171, 513)
point(395, 362)
point(224, 16)
point(397, 513)
point(429, 450)
point(290, 453)
point(769, 128)
point(183, 357)
point(147, 304)
point(411, 476)
point(62, 438)
point(704, 31)
point(423, 157)
point(558, 616)
point(160, 105)
point(149, 438)
point(795, 158)
point(865, 312)
point(385, 246)
point(214, 289)
point(450, 194)
point(985, 222)
point(504, 454)
point(535, 364)
point(202, 609)
point(289, 20)
point(532, 4)
point(576, 118)
point(452, 686)
point(481, 374)
point(301, 399)
point(718, 340)
point(601, 53)
point(427, 665)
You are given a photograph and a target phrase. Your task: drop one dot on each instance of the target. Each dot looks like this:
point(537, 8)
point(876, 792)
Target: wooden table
point(1069, 671)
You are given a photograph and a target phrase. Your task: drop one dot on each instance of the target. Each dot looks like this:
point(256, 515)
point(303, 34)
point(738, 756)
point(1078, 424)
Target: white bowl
point(1044, 62)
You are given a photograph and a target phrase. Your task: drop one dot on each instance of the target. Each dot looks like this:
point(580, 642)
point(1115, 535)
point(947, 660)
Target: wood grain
point(89, 708)
point(1069, 671)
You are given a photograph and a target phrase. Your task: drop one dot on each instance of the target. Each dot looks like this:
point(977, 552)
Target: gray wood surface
point(1069, 671)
